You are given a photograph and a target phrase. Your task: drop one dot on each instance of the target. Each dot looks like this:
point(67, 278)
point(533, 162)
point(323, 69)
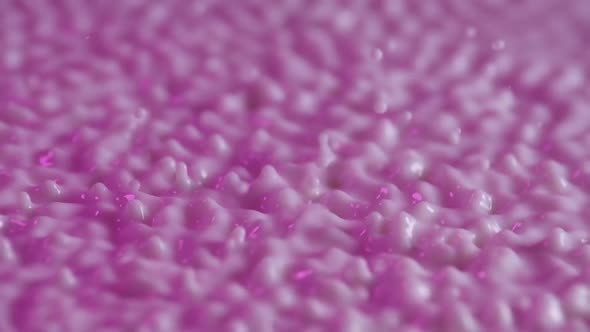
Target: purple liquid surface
point(258, 166)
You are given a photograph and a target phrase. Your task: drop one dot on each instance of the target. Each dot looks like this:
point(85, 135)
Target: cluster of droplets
point(294, 166)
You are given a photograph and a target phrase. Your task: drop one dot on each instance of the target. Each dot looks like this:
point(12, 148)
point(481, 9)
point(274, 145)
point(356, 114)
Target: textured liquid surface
point(294, 165)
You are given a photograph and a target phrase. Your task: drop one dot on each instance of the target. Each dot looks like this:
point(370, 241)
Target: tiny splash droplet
point(382, 192)
point(417, 197)
point(254, 233)
point(303, 274)
point(46, 159)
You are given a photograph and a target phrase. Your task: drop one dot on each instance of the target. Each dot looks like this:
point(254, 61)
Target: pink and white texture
point(294, 165)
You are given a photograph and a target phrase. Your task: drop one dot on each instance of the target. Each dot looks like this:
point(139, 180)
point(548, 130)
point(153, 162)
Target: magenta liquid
point(294, 165)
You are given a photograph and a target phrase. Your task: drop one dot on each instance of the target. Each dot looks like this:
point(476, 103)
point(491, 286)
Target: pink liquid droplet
point(303, 274)
point(46, 160)
point(417, 197)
